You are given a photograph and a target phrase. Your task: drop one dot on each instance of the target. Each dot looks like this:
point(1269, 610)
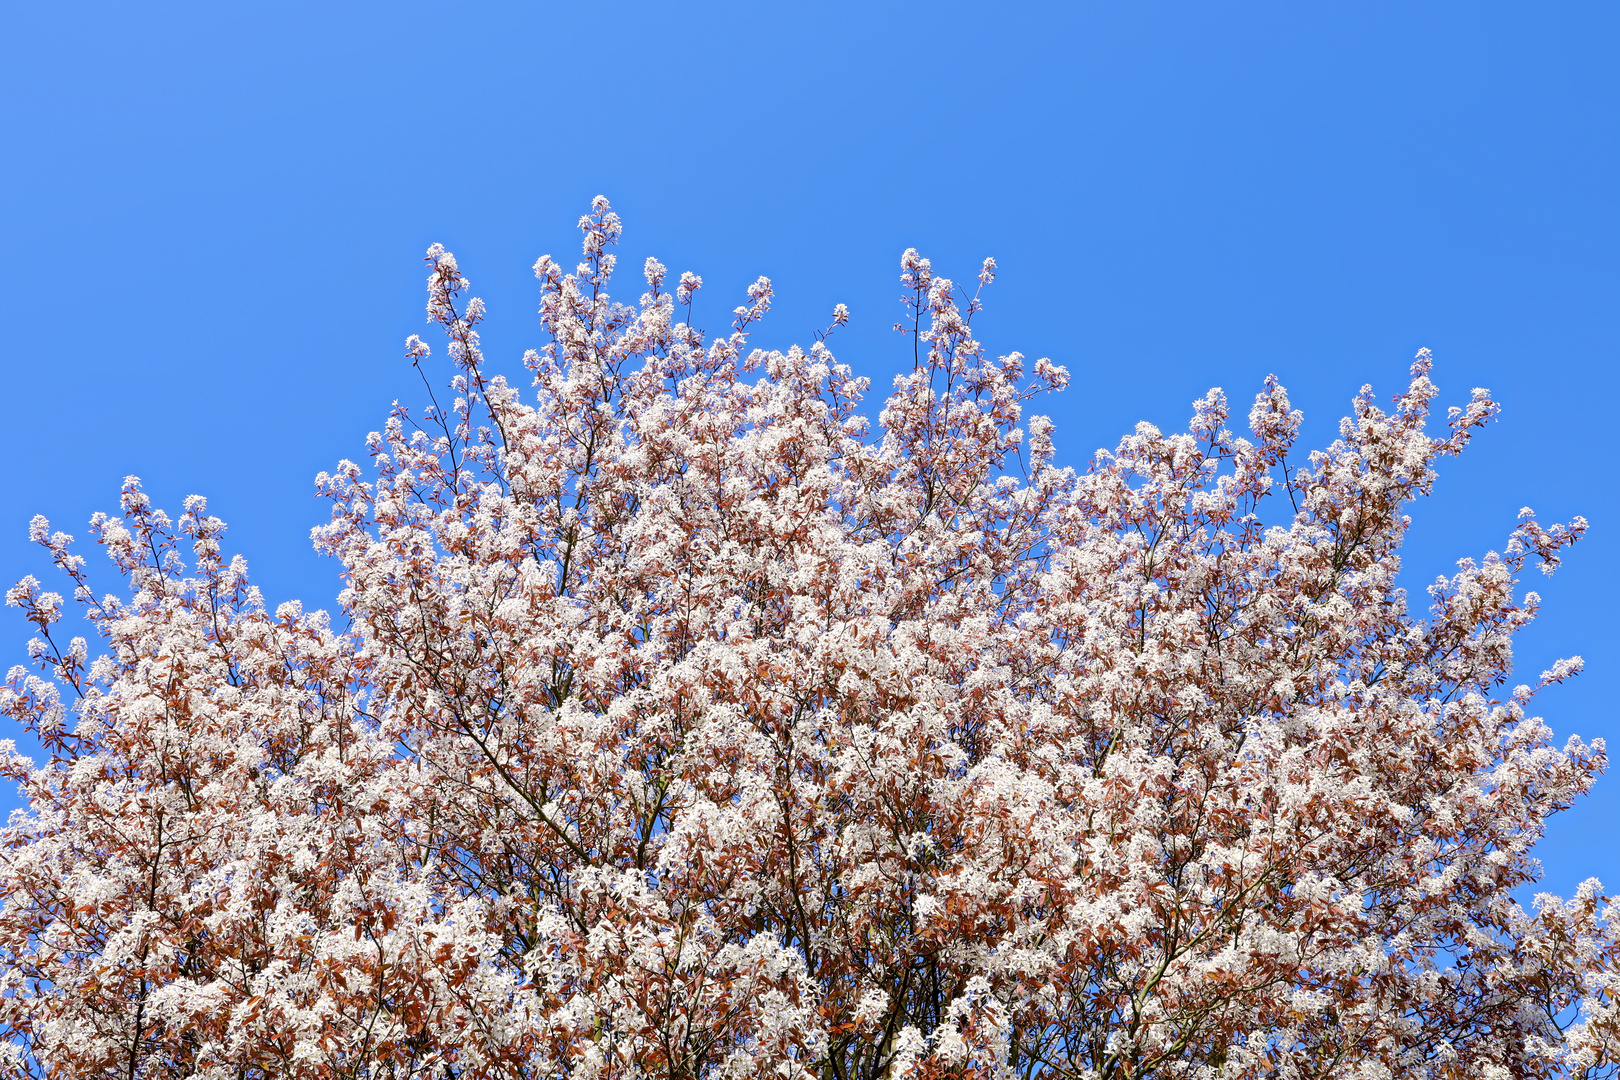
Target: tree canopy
point(679, 721)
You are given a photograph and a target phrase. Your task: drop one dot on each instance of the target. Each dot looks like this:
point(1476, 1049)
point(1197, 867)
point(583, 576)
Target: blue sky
point(214, 216)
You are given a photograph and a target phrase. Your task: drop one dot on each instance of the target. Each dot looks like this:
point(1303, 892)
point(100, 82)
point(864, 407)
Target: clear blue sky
point(213, 216)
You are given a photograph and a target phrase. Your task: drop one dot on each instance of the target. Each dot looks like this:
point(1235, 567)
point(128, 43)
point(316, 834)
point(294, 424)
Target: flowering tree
point(686, 726)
